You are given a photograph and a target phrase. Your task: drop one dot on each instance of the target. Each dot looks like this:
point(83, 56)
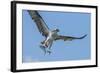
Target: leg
point(43, 48)
point(50, 44)
point(43, 42)
point(46, 43)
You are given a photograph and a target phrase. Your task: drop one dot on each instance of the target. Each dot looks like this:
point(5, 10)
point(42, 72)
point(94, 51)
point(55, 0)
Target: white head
point(56, 30)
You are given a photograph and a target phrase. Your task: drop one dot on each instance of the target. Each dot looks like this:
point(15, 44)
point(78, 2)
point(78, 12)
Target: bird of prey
point(50, 35)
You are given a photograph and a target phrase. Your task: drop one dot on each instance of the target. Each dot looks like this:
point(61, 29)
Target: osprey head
point(57, 30)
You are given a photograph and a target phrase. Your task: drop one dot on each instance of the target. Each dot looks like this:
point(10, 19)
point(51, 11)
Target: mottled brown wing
point(42, 27)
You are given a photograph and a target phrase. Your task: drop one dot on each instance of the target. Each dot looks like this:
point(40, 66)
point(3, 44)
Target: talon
point(41, 46)
point(46, 45)
point(42, 42)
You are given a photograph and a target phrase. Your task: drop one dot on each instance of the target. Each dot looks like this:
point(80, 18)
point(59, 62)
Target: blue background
point(70, 24)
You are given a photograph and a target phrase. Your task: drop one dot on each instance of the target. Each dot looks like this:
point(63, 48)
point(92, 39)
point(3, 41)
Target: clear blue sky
point(70, 24)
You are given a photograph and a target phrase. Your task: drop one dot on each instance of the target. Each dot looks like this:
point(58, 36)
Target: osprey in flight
point(50, 35)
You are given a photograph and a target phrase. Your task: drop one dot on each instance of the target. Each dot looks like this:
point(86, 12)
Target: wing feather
point(68, 38)
point(42, 27)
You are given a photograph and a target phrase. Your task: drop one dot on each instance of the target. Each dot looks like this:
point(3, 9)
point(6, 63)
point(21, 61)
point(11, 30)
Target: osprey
point(50, 35)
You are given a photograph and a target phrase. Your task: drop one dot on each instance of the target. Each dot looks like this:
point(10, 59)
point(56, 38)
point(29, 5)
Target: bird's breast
point(52, 35)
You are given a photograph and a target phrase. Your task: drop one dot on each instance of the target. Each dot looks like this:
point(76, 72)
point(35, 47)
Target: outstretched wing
point(42, 27)
point(68, 38)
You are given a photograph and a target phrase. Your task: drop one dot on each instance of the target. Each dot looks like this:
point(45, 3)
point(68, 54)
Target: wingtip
point(83, 36)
